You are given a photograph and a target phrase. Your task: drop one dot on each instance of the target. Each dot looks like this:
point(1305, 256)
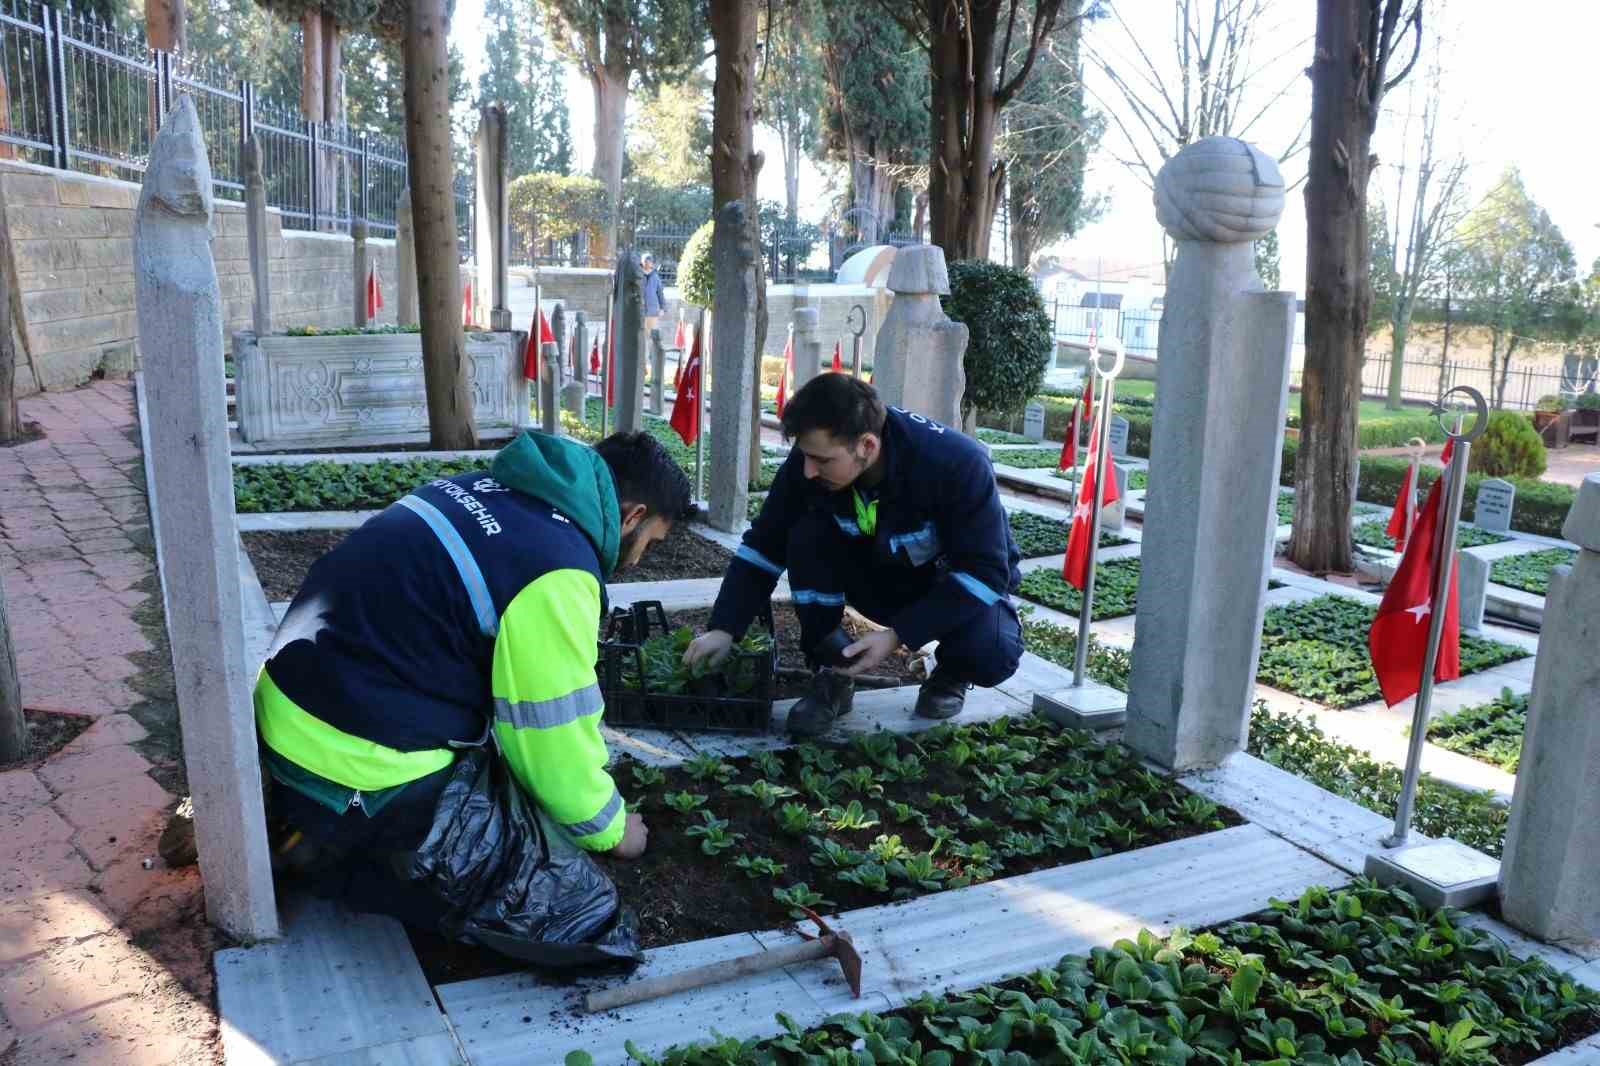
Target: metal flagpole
point(605, 356)
point(1101, 445)
point(856, 333)
point(538, 346)
point(700, 405)
point(1444, 554)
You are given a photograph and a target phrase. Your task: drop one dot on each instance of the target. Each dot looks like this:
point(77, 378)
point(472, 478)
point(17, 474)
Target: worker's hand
point(634, 838)
point(711, 647)
point(870, 650)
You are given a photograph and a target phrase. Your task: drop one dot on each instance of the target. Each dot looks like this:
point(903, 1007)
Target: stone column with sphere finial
point(1222, 379)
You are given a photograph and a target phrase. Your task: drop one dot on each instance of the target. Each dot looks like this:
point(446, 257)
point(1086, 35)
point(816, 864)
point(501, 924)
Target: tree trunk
point(1338, 292)
point(963, 180)
point(919, 218)
point(864, 179)
point(740, 313)
point(1400, 336)
point(791, 173)
point(10, 420)
point(13, 726)
point(311, 66)
point(609, 81)
point(165, 25)
point(433, 207)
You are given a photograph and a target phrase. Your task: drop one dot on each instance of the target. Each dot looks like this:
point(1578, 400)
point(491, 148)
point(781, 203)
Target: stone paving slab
point(956, 939)
point(338, 987)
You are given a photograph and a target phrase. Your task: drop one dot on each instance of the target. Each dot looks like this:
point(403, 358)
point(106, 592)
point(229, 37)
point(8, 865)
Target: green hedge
point(1396, 431)
point(1490, 732)
point(1541, 506)
point(1058, 416)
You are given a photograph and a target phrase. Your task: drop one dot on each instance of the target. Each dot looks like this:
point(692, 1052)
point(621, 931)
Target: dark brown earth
point(683, 554)
point(282, 559)
point(48, 733)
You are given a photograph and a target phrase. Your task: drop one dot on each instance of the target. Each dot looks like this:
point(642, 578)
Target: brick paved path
point(101, 960)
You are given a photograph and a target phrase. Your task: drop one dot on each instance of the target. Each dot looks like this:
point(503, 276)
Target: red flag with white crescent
point(686, 408)
point(1404, 515)
point(1398, 640)
point(1075, 568)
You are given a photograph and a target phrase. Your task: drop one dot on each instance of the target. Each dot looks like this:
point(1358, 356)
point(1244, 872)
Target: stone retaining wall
point(71, 253)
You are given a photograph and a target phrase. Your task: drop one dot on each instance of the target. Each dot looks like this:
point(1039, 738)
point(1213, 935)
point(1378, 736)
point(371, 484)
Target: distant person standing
point(655, 293)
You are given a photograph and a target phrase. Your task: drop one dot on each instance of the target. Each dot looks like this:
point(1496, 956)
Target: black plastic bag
point(515, 884)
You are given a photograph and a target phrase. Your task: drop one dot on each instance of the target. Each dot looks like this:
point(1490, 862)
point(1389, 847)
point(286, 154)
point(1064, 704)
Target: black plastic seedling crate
point(627, 705)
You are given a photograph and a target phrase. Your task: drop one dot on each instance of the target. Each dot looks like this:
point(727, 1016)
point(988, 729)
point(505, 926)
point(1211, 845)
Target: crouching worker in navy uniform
point(897, 516)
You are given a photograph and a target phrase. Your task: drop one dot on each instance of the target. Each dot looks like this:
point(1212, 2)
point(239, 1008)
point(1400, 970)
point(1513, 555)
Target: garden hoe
point(828, 944)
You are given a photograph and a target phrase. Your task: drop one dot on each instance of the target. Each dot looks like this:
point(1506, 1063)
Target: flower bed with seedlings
point(1490, 732)
point(741, 844)
point(1347, 977)
point(1030, 458)
point(1059, 644)
point(1530, 572)
point(1038, 535)
point(1001, 436)
point(323, 486)
point(1317, 649)
point(1139, 480)
point(1372, 535)
point(1116, 589)
point(1296, 745)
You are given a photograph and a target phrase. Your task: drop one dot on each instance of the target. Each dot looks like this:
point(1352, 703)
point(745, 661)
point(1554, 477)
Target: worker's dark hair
point(645, 473)
point(843, 405)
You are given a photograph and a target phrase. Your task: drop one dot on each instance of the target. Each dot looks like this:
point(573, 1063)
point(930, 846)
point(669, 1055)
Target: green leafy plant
point(796, 819)
point(1509, 447)
point(1530, 572)
point(1489, 732)
point(684, 802)
point(1296, 744)
point(329, 486)
point(759, 866)
point(713, 833)
point(763, 792)
point(1374, 535)
point(850, 817)
point(1038, 534)
point(800, 895)
point(1317, 649)
point(1116, 589)
point(666, 673)
point(647, 776)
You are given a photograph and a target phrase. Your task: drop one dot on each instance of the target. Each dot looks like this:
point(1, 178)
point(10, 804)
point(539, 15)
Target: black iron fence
point(1139, 329)
point(78, 95)
point(1426, 379)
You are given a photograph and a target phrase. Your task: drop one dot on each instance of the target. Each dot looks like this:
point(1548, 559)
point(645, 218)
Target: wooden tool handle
point(709, 974)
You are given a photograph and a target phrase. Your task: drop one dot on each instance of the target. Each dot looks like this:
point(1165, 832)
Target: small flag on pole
point(783, 376)
point(1404, 516)
point(537, 338)
point(1069, 447)
point(466, 304)
point(686, 408)
point(679, 339)
point(611, 364)
point(838, 357)
point(1398, 640)
point(374, 293)
point(1075, 568)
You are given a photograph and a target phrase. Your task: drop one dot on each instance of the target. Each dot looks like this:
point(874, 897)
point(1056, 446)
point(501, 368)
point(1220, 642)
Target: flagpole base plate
point(1440, 873)
point(1087, 706)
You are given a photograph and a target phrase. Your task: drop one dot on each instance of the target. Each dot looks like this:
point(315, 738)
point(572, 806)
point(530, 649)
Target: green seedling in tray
point(666, 673)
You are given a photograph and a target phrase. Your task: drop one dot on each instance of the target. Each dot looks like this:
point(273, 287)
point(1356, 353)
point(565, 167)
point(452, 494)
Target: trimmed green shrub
point(1509, 447)
point(1396, 431)
point(1541, 506)
point(697, 279)
point(1589, 401)
point(1010, 341)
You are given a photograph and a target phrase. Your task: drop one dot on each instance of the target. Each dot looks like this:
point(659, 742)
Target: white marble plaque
point(1495, 501)
point(1119, 436)
point(1033, 421)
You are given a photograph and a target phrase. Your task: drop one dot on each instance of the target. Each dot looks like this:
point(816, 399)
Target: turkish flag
point(536, 339)
point(686, 408)
point(1449, 451)
point(1075, 568)
point(838, 357)
point(679, 338)
point(783, 378)
point(374, 293)
point(466, 304)
point(1404, 516)
point(1080, 411)
point(1398, 640)
point(677, 375)
point(594, 357)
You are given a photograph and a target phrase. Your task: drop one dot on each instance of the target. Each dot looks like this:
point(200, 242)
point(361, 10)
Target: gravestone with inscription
point(1496, 497)
point(1113, 516)
point(1119, 437)
point(1033, 421)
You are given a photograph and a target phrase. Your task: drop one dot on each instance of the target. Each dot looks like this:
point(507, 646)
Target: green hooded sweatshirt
point(570, 477)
